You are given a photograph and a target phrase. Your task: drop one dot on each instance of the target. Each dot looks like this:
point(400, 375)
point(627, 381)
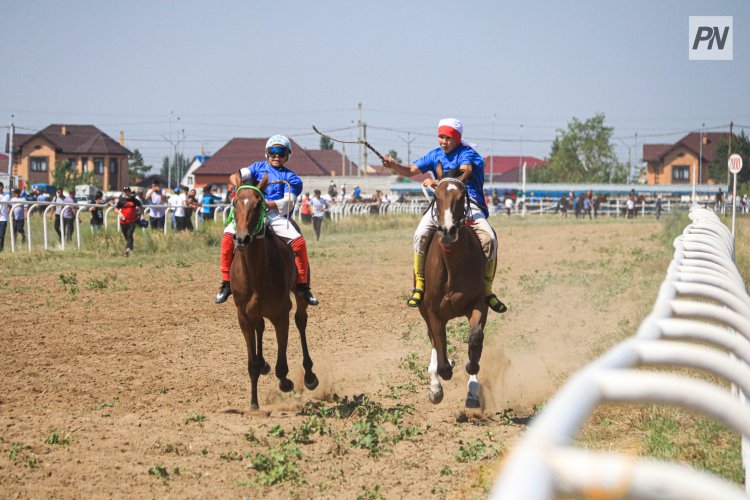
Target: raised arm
point(406, 171)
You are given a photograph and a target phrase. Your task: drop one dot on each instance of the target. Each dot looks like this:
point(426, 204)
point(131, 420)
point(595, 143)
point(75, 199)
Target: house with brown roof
point(677, 163)
point(241, 152)
point(84, 148)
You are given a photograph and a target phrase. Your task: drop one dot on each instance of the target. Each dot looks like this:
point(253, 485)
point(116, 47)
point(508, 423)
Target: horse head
point(451, 203)
point(249, 209)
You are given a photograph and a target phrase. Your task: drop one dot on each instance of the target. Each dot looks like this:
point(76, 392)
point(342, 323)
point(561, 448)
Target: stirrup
point(416, 298)
point(495, 304)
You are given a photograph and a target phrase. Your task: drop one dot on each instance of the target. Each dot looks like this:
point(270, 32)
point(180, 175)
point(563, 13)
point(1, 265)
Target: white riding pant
point(428, 225)
point(281, 227)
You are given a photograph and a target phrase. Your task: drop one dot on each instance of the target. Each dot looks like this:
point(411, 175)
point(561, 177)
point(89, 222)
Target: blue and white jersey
point(273, 192)
point(462, 155)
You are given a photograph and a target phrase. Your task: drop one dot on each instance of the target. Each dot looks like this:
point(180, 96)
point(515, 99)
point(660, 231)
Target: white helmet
point(279, 140)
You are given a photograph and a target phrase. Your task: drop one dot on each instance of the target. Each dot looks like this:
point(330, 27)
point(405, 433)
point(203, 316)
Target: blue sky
point(513, 72)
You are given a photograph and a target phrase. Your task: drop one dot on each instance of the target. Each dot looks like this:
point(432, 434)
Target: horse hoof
point(286, 385)
point(266, 369)
point(254, 407)
point(436, 396)
point(472, 402)
point(312, 385)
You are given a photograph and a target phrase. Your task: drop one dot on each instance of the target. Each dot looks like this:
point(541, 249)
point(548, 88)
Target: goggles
point(277, 151)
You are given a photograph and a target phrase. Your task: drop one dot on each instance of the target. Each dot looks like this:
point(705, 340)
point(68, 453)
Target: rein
point(261, 220)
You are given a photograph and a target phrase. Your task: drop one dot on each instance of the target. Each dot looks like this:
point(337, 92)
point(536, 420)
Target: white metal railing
point(703, 299)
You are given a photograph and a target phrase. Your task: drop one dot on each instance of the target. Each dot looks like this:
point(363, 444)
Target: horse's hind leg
point(300, 319)
point(281, 325)
point(260, 327)
point(476, 340)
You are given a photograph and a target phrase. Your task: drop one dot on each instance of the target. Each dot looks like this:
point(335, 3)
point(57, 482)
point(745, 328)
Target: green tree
point(179, 165)
point(393, 154)
point(582, 153)
point(137, 168)
point(326, 143)
point(66, 176)
point(718, 169)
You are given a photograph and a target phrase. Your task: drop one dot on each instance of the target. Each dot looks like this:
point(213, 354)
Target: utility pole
point(636, 172)
point(729, 152)
point(408, 142)
point(520, 152)
point(364, 132)
point(359, 137)
point(10, 154)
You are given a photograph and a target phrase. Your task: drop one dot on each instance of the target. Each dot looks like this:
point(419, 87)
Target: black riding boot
point(307, 294)
point(224, 292)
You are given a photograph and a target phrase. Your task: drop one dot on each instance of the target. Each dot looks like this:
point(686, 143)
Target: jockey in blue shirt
point(279, 199)
point(453, 154)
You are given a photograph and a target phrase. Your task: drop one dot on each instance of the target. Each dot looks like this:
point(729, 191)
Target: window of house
point(84, 164)
point(113, 166)
point(39, 163)
point(681, 173)
point(99, 166)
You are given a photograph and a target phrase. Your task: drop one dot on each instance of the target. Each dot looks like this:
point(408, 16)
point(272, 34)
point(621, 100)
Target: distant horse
point(597, 203)
point(263, 275)
point(454, 286)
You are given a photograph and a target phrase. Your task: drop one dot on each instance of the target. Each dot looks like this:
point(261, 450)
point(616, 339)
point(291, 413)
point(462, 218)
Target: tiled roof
point(3, 163)
point(692, 141)
point(331, 160)
point(502, 164)
point(241, 152)
point(78, 139)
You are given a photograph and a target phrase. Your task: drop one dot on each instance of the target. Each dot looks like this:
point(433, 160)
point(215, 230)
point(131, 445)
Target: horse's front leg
point(477, 320)
point(281, 325)
point(260, 327)
point(300, 319)
point(439, 366)
point(254, 365)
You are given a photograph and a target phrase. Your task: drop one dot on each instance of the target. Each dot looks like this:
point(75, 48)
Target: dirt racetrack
point(130, 382)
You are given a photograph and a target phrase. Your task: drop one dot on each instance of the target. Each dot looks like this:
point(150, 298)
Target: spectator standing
point(319, 208)
point(19, 214)
point(658, 207)
point(587, 207)
point(508, 205)
point(97, 213)
point(191, 205)
point(343, 193)
point(630, 206)
point(719, 206)
point(4, 211)
point(43, 197)
point(68, 216)
point(178, 201)
point(357, 194)
point(155, 196)
point(56, 211)
point(332, 192)
point(305, 211)
point(207, 200)
point(127, 208)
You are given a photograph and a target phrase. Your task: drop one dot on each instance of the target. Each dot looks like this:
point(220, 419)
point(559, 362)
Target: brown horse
point(263, 275)
point(454, 286)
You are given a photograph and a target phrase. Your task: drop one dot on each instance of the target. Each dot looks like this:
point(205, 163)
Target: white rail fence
point(702, 300)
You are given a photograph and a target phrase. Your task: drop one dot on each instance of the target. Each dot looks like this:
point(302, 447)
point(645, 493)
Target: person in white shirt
point(178, 201)
point(19, 214)
point(155, 196)
point(319, 207)
point(4, 210)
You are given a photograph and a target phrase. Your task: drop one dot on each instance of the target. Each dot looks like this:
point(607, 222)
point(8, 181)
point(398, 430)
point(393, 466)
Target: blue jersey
point(255, 173)
point(462, 155)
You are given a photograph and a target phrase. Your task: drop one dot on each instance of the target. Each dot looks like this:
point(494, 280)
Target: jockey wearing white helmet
point(284, 186)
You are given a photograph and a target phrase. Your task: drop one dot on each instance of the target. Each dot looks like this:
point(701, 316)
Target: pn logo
point(710, 38)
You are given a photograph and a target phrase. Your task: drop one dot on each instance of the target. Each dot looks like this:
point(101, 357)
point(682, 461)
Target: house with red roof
point(508, 168)
point(84, 148)
point(677, 163)
point(241, 152)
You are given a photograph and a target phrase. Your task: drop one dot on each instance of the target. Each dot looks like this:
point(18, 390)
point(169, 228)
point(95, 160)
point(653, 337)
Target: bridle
point(466, 200)
point(260, 225)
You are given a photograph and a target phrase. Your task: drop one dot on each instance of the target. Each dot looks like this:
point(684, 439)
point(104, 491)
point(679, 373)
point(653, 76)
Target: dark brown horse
point(263, 276)
point(454, 287)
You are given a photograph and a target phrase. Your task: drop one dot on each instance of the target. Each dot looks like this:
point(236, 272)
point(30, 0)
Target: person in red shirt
point(127, 208)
